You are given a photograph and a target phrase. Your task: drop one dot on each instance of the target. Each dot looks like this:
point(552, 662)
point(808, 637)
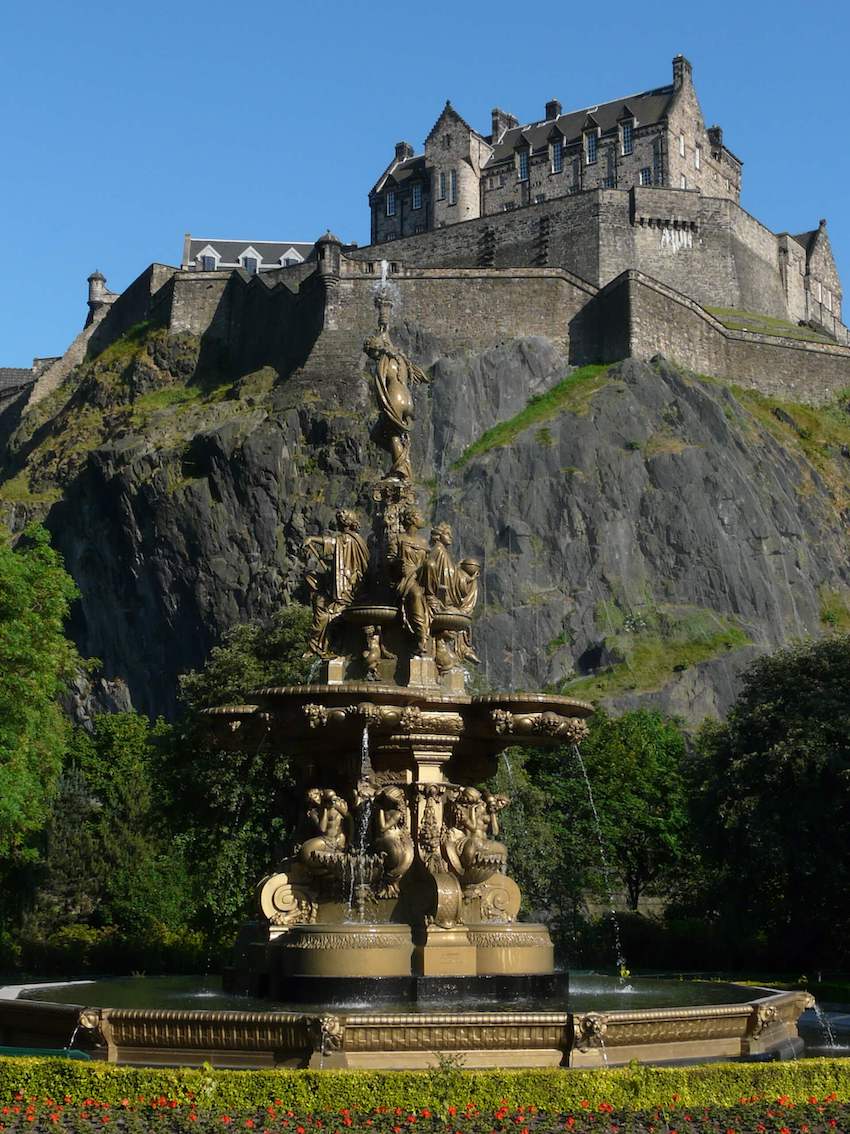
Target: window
point(683, 182)
point(539, 198)
point(681, 145)
point(609, 182)
point(628, 137)
point(590, 147)
point(250, 264)
point(442, 193)
point(697, 157)
point(646, 176)
point(827, 299)
point(557, 157)
point(391, 203)
point(453, 187)
point(657, 164)
point(419, 228)
point(208, 263)
point(416, 197)
point(509, 206)
point(522, 167)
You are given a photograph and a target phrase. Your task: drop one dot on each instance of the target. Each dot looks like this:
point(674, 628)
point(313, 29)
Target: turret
point(99, 295)
point(329, 254)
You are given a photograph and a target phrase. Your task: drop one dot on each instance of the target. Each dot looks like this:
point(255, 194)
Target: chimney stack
point(502, 121)
point(682, 72)
point(403, 151)
point(553, 109)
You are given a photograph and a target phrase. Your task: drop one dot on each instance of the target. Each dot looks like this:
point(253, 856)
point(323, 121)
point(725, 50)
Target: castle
point(615, 230)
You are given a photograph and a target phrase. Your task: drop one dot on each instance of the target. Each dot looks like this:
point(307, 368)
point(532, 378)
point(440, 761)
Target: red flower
point(226, 1120)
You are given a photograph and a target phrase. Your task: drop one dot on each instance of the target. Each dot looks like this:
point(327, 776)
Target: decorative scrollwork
point(411, 718)
point(764, 1017)
point(503, 721)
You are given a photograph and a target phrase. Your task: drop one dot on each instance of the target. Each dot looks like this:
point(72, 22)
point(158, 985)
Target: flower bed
point(163, 1115)
point(811, 1097)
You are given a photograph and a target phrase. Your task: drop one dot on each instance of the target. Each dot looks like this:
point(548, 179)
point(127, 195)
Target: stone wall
point(651, 319)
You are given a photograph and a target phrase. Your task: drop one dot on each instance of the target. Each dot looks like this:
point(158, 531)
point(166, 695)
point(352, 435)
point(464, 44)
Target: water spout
point(622, 970)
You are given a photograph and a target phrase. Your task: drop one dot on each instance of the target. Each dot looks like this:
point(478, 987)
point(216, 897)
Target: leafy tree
point(772, 800)
point(233, 809)
point(36, 661)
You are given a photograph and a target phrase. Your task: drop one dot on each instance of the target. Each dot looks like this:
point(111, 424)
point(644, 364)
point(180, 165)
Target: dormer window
point(591, 147)
point(207, 259)
point(391, 203)
point(557, 157)
point(416, 197)
point(628, 137)
point(251, 265)
point(207, 263)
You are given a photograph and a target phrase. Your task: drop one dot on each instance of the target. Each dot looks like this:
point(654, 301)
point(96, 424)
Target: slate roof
point(270, 251)
point(807, 239)
point(14, 378)
point(646, 108)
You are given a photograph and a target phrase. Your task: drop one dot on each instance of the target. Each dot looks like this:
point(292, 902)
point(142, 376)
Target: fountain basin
point(589, 1034)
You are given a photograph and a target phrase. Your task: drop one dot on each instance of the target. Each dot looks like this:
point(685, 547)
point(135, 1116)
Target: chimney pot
point(553, 109)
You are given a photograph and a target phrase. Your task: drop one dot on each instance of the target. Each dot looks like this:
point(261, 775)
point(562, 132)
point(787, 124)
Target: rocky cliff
point(644, 530)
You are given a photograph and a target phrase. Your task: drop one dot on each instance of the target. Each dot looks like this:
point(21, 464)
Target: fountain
point(397, 894)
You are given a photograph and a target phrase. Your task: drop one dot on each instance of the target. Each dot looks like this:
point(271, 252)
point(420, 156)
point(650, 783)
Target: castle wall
point(654, 319)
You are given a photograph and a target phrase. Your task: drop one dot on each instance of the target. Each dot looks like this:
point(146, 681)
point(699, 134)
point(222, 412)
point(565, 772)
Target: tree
point(772, 799)
point(234, 809)
point(36, 662)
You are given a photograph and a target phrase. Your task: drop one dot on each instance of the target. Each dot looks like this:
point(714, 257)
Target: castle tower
point(99, 295)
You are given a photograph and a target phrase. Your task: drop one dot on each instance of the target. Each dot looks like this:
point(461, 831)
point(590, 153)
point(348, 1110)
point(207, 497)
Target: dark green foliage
point(772, 802)
point(232, 809)
point(36, 661)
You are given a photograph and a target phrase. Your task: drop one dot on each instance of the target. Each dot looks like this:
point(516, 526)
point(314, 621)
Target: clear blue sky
point(125, 125)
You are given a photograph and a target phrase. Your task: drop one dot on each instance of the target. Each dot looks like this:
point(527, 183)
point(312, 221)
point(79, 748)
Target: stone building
point(206, 254)
point(653, 138)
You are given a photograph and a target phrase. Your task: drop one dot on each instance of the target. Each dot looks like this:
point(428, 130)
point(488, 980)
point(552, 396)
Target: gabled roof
point(229, 251)
point(449, 111)
point(399, 173)
point(647, 108)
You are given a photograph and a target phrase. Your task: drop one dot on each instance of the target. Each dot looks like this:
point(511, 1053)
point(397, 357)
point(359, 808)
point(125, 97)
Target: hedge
point(630, 1088)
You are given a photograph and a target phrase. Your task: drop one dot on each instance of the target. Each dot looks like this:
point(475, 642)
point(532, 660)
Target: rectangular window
point(416, 197)
point(250, 265)
point(453, 187)
point(681, 145)
point(646, 176)
point(391, 203)
point(683, 182)
point(522, 168)
point(609, 182)
point(557, 157)
point(657, 165)
point(539, 198)
point(208, 263)
point(628, 137)
point(419, 228)
point(590, 147)
point(442, 194)
point(697, 157)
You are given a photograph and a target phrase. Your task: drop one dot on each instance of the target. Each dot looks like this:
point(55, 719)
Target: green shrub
point(634, 1087)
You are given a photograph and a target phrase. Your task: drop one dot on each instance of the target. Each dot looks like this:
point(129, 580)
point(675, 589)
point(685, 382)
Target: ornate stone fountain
point(399, 879)
point(398, 885)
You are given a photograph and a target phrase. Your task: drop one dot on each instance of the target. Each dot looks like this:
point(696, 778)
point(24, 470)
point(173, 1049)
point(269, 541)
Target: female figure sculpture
point(394, 373)
point(392, 839)
point(343, 558)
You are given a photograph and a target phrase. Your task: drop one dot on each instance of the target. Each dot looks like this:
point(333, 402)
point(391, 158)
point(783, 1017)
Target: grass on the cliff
point(737, 320)
point(654, 644)
point(572, 394)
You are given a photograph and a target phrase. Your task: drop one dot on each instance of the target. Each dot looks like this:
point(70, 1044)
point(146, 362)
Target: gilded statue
point(394, 376)
point(342, 561)
point(407, 555)
point(450, 587)
point(439, 573)
point(470, 844)
point(374, 652)
point(392, 838)
point(469, 572)
point(326, 822)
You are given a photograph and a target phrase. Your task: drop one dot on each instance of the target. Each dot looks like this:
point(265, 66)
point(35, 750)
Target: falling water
point(825, 1027)
point(70, 1043)
point(606, 871)
point(365, 762)
point(313, 672)
point(385, 267)
point(355, 862)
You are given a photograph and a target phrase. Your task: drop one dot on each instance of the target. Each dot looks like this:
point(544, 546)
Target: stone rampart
point(643, 317)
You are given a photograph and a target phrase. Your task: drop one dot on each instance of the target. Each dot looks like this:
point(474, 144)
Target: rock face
point(643, 531)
